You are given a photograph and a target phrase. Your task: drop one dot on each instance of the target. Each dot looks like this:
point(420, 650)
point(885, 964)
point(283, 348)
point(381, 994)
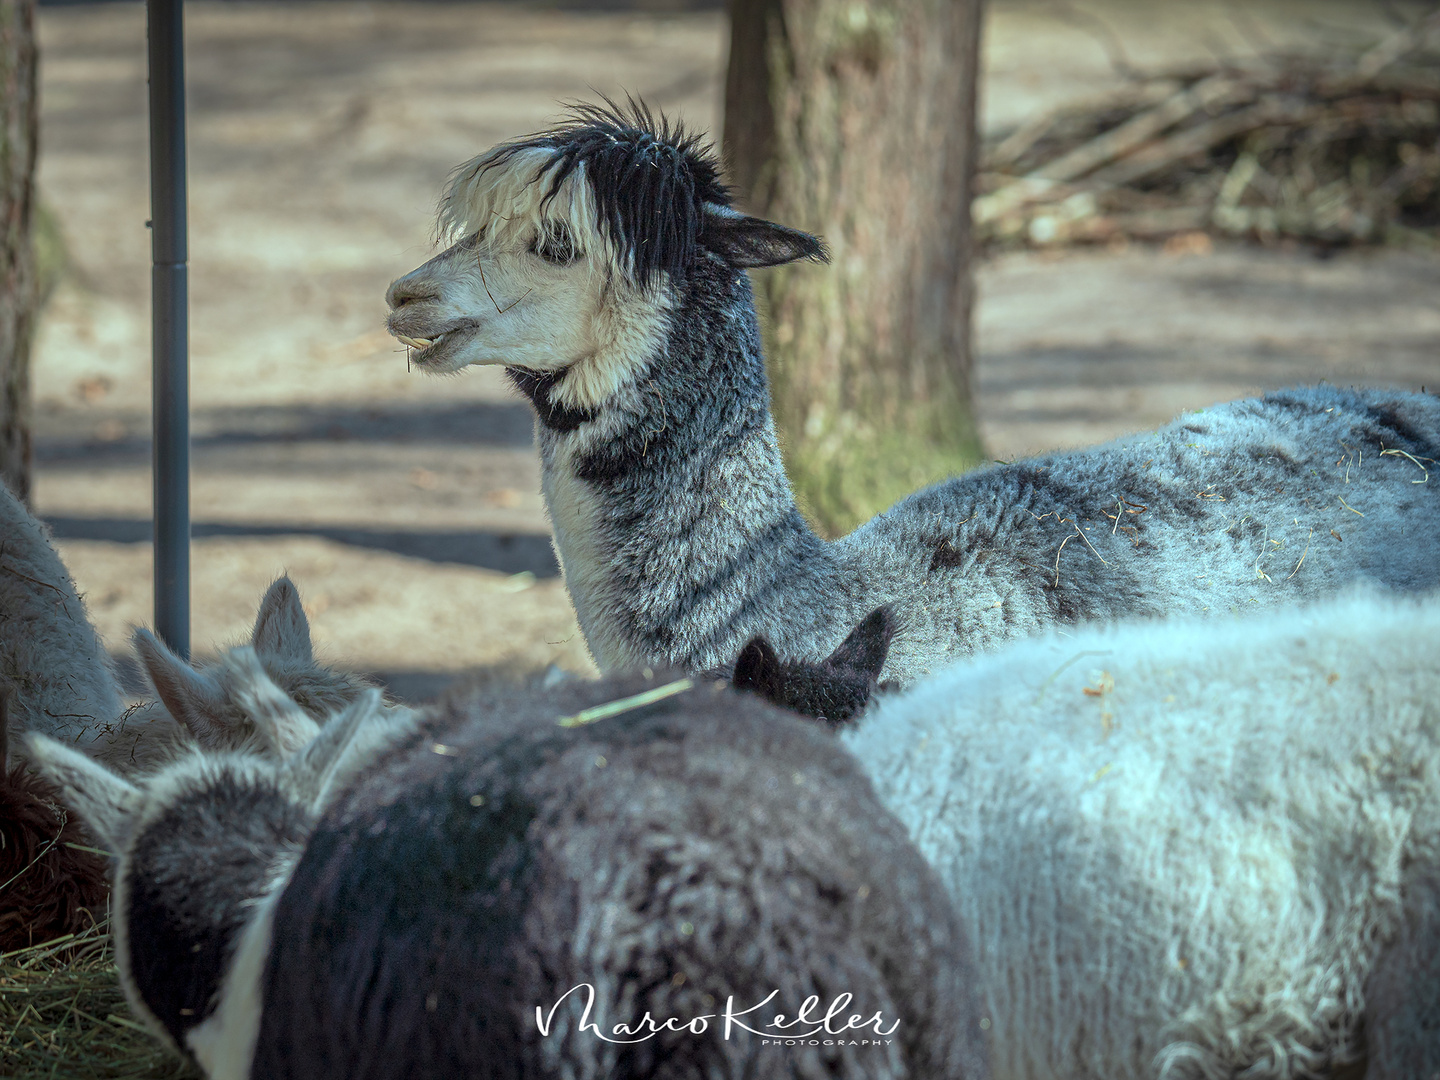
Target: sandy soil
point(407, 508)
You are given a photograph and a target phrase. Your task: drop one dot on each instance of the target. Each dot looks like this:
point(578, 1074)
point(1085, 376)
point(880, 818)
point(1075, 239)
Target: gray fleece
point(1252, 504)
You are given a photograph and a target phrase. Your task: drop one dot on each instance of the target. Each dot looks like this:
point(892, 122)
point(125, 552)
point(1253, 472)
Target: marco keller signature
point(647, 1027)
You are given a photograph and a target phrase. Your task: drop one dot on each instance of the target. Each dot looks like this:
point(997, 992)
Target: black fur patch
point(650, 179)
point(536, 385)
point(1277, 455)
point(833, 690)
point(946, 557)
point(189, 874)
point(1388, 416)
point(396, 935)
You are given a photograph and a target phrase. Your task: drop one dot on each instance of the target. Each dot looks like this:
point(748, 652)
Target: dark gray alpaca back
point(672, 857)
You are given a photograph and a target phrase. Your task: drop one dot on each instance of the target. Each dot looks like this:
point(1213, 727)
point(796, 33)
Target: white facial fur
point(224, 1044)
point(492, 299)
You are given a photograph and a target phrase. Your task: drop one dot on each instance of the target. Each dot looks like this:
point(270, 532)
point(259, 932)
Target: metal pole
point(170, 379)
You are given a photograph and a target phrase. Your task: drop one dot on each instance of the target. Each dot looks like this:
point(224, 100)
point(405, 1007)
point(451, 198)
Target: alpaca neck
point(673, 519)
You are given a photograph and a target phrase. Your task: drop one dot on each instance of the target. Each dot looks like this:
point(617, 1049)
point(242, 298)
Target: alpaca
point(1189, 849)
point(217, 717)
point(50, 655)
point(491, 887)
point(602, 264)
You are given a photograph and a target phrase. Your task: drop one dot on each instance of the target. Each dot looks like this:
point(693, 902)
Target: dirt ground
point(407, 508)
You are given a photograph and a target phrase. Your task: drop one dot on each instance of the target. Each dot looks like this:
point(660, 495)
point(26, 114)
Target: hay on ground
point(63, 1015)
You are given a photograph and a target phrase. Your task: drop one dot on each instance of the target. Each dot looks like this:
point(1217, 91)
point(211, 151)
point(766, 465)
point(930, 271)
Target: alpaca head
point(204, 839)
point(216, 704)
point(569, 246)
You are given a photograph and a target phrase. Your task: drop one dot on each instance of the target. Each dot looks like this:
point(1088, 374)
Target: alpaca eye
point(556, 245)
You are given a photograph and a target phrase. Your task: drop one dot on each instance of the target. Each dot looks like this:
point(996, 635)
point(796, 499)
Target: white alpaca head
point(568, 247)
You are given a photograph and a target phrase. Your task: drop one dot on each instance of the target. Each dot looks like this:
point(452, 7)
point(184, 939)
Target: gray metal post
point(170, 324)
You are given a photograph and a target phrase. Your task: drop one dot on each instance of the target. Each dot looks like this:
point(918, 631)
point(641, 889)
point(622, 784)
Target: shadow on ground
point(501, 552)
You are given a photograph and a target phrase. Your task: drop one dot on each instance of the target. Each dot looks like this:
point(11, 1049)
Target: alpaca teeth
point(417, 342)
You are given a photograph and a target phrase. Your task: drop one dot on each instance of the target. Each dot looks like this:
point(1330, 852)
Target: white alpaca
point(1189, 849)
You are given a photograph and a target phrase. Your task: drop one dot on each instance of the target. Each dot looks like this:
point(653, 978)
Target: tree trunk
point(19, 123)
point(855, 119)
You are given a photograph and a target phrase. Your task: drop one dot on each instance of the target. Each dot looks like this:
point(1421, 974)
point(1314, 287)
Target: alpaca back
point(671, 859)
point(1245, 506)
point(49, 652)
point(1185, 843)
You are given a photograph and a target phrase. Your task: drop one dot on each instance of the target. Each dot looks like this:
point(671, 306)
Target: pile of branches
point(1327, 151)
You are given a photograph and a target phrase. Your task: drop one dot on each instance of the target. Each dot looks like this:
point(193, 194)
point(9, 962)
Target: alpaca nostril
point(405, 291)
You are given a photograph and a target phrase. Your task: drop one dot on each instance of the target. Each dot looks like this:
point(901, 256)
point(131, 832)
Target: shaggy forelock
point(622, 176)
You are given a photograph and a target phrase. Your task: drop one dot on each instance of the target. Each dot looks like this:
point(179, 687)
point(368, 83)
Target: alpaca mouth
point(426, 348)
point(420, 344)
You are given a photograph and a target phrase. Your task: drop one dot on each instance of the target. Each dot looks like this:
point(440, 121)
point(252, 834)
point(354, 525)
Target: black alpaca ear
point(757, 667)
point(749, 241)
point(868, 645)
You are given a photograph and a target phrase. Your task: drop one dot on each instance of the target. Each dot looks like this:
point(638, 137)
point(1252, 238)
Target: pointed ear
point(757, 668)
point(281, 628)
point(283, 725)
point(868, 645)
point(192, 699)
point(749, 241)
point(104, 801)
point(312, 767)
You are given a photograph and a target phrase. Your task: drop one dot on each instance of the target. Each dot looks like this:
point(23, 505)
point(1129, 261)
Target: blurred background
point(1202, 254)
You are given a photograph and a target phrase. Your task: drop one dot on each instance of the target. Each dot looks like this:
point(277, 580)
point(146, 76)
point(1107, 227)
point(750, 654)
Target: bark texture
point(19, 124)
point(855, 119)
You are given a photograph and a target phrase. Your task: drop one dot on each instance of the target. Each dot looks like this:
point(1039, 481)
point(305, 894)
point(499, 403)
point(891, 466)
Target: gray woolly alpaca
point(64, 685)
point(50, 656)
point(447, 900)
point(1189, 849)
point(602, 264)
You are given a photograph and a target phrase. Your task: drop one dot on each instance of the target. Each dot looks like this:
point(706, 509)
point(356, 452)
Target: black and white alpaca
point(414, 895)
point(1188, 850)
point(601, 263)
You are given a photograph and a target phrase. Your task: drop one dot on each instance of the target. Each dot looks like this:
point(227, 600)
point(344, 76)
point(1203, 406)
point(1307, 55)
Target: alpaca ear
point(193, 700)
point(749, 241)
point(104, 801)
point(757, 668)
point(868, 645)
point(281, 628)
point(313, 765)
point(283, 725)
